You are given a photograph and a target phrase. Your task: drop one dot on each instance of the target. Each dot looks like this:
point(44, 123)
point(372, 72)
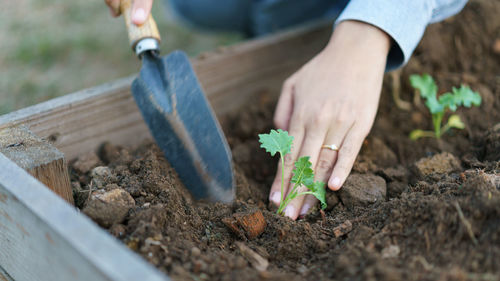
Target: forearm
point(403, 20)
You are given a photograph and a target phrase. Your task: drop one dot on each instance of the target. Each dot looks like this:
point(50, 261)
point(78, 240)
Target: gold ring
point(331, 146)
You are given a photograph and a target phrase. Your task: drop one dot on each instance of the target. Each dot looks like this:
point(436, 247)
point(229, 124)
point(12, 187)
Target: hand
point(140, 9)
point(332, 99)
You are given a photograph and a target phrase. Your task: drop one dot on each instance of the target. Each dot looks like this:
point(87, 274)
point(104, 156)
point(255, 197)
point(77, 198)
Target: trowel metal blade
point(184, 126)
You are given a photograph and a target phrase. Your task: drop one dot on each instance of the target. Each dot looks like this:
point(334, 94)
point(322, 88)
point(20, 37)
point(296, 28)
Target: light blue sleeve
point(404, 20)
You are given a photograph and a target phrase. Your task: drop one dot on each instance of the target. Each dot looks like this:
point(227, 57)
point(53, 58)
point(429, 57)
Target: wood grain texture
point(136, 33)
point(44, 238)
point(39, 158)
point(231, 76)
point(4, 276)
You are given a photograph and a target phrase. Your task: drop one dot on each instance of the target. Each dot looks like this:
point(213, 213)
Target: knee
point(213, 14)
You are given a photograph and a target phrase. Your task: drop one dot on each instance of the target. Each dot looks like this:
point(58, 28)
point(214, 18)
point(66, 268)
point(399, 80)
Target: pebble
point(441, 163)
point(86, 162)
point(195, 252)
point(109, 207)
point(101, 176)
point(362, 190)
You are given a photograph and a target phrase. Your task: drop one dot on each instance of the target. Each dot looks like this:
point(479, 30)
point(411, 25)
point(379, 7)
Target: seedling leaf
point(276, 141)
point(318, 190)
point(302, 173)
point(428, 90)
point(416, 134)
point(458, 97)
point(455, 122)
point(425, 84)
point(465, 96)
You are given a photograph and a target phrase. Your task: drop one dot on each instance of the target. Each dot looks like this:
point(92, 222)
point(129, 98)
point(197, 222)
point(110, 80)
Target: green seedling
point(280, 142)
point(462, 96)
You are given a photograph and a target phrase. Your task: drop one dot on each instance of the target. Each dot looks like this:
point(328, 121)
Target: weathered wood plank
point(231, 76)
point(39, 158)
point(4, 276)
point(44, 238)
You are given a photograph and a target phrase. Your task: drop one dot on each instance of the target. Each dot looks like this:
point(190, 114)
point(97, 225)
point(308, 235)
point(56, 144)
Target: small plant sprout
point(462, 96)
point(280, 142)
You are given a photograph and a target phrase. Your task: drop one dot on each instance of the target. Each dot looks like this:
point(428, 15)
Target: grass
point(54, 47)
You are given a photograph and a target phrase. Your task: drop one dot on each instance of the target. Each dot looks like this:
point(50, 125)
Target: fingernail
point(290, 211)
point(139, 15)
point(276, 197)
point(305, 209)
point(335, 183)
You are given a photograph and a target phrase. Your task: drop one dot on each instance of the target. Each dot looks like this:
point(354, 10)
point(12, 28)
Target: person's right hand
point(140, 9)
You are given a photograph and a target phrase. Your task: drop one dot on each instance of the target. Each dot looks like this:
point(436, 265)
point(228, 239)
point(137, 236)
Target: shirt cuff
point(404, 20)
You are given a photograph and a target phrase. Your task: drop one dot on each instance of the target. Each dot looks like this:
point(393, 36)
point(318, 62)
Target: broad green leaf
point(318, 190)
point(455, 122)
point(428, 90)
point(466, 97)
point(276, 141)
point(302, 173)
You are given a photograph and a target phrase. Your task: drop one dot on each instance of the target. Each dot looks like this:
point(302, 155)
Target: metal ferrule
point(147, 44)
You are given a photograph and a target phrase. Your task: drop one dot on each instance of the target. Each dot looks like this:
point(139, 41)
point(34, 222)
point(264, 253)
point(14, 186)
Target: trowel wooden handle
point(137, 33)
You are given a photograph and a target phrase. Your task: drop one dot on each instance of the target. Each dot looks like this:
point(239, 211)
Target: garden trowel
point(179, 116)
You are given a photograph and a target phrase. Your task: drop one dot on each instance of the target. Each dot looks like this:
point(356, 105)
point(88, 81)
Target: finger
point(326, 161)
point(141, 10)
point(114, 7)
point(297, 131)
point(310, 147)
point(346, 156)
point(285, 105)
point(309, 201)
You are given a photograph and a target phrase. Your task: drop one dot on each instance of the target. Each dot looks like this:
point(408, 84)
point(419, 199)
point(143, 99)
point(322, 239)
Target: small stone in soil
point(362, 190)
point(438, 164)
point(377, 151)
point(395, 188)
point(342, 229)
point(86, 162)
point(390, 251)
point(109, 207)
point(332, 199)
point(101, 176)
point(117, 230)
point(398, 173)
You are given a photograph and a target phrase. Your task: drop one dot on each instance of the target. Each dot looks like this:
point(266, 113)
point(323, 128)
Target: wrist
point(360, 39)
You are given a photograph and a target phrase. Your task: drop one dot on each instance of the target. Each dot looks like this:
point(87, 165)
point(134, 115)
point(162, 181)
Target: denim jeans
point(254, 17)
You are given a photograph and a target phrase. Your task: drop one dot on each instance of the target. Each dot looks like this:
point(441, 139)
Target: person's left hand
point(332, 99)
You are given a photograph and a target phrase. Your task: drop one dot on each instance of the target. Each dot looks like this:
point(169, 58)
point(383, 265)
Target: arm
point(404, 20)
point(333, 99)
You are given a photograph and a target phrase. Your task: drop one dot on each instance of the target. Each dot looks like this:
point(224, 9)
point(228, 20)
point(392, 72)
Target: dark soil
point(435, 214)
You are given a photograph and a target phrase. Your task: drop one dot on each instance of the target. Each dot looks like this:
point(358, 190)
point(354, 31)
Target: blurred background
point(50, 48)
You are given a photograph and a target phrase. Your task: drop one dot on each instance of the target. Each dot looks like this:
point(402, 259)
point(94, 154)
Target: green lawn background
point(50, 48)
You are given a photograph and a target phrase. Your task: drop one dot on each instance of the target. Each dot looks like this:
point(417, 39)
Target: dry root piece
point(342, 229)
point(248, 224)
point(257, 261)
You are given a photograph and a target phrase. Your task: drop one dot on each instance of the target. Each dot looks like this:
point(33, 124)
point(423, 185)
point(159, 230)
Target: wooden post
point(39, 158)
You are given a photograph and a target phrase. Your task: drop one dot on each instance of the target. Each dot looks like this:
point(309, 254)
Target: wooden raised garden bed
point(44, 238)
